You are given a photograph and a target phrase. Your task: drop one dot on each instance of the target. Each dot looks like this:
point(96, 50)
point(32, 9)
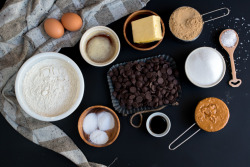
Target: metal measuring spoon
point(230, 50)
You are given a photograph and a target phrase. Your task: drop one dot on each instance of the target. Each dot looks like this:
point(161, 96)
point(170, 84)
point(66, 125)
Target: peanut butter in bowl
point(211, 114)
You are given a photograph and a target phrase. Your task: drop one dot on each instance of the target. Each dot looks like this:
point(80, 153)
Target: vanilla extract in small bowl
point(158, 124)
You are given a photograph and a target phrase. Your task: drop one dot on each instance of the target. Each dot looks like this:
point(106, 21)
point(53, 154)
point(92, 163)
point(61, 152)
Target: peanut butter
point(211, 114)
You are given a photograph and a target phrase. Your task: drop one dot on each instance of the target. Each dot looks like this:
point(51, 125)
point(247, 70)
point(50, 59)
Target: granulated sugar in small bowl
point(49, 86)
point(99, 126)
point(205, 67)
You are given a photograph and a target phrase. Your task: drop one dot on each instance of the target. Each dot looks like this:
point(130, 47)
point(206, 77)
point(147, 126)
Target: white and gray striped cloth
point(22, 35)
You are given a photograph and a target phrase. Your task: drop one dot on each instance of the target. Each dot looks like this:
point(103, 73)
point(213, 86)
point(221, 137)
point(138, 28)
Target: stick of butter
point(147, 29)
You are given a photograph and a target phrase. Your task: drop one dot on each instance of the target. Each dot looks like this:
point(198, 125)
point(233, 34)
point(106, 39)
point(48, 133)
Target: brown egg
point(53, 28)
point(71, 21)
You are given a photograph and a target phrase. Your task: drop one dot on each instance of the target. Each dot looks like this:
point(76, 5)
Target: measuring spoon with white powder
point(229, 40)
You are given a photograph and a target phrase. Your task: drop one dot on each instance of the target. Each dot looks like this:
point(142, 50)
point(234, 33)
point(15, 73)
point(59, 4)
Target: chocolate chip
point(139, 99)
point(175, 82)
point(160, 80)
point(131, 97)
point(166, 101)
point(165, 66)
point(144, 89)
point(132, 89)
point(171, 97)
point(139, 84)
point(169, 71)
point(118, 85)
point(148, 95)
point(114, 94)
point(135, 105)
point(149, 75)
point(173, 91)
point(129, 102)
point(159, 73)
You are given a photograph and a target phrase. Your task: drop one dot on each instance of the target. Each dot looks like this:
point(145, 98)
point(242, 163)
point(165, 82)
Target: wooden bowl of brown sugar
point(111, 133)
point(127, 30)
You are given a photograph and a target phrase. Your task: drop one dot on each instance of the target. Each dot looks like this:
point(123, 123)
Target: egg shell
point(53, 28)
point(71, 21)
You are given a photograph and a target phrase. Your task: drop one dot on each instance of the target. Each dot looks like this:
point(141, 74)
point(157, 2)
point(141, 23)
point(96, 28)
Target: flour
point(51, 87)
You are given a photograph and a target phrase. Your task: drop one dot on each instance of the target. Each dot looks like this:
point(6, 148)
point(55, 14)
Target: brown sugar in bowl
point(127, 30)
point(112, 133)
point(211, 114)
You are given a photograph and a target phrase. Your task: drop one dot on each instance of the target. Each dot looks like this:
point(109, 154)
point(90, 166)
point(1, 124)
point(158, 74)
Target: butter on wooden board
point(147, 29)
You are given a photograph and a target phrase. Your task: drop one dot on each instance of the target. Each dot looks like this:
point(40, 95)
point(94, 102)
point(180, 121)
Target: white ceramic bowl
point(167, 128)
point(27, 66)
point(188, 71)
point(92, 32)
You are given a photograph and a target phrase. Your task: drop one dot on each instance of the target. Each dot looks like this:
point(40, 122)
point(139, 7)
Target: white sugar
point(229, 38)
point(90, 123)
point(205, 66)
point(99, 137)
point(105, 121)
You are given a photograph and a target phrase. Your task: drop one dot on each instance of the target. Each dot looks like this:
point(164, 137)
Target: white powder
point(51, 87)
point(105, 121)
point(99, 137)
point(90, 123)
point(204, 66)
point(229, 38)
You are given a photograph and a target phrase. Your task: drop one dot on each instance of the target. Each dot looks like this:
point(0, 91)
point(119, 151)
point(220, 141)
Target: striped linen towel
point(22, 36)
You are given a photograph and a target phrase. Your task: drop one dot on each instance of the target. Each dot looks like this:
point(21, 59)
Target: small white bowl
point(167, 128)
point(27, 66)
point(92, 32)
point(188, 73)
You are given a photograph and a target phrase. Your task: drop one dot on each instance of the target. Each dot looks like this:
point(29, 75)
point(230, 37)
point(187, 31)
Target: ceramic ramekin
point(167, 128)
point(89, 34)
point(27, 66)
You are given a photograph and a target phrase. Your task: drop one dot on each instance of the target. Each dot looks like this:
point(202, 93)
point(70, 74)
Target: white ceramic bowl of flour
point(49, 86)
point(205, 67)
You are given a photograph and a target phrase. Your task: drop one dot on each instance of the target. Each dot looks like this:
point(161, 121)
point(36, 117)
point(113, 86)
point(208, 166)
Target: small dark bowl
point(127, 30)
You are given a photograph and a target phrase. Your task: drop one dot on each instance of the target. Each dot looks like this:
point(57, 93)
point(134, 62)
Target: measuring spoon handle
point(231, 55)
point(170, 148)
point(233, 82)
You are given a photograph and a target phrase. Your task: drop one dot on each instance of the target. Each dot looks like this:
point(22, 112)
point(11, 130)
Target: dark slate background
point(135, 147)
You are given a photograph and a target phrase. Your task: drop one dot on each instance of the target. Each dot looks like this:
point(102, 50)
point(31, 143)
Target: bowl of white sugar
point(49, 86)
point(205, 67)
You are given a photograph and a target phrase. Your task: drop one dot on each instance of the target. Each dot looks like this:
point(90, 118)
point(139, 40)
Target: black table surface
point(135, 147)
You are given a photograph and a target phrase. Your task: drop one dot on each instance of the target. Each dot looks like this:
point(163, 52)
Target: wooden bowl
point(127, 30)
point(112, 133)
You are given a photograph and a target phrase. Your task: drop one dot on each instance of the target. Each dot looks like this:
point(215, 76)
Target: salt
point(90, 123)
point(205, 67)
point(105, 121)
point(229, 38)
point(99, 137)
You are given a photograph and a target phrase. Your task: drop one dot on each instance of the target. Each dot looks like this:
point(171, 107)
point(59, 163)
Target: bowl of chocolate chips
point(144, 84)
